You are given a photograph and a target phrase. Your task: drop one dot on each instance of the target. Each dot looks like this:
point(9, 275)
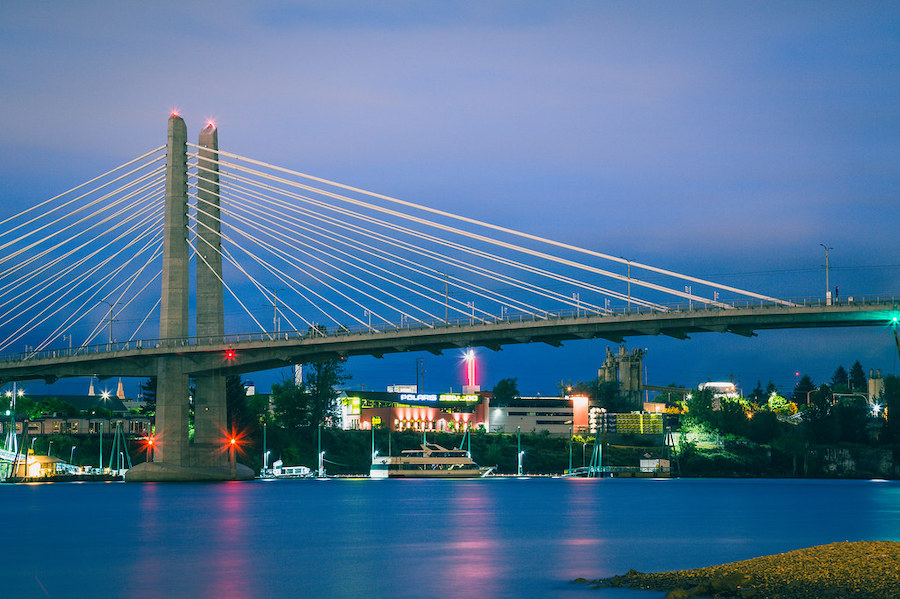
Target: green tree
point(731, 417)
point(858, 378)
point(148, 393)
point(505, 390)
point(763, 427)
point(758, 394)
point(802, 389)
point(290, 405)
point(322, 378)
point(840, 381)
point(699, 407)
point(778, 405)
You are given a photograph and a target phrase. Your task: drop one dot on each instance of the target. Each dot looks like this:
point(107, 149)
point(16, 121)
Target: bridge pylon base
point(161, 472)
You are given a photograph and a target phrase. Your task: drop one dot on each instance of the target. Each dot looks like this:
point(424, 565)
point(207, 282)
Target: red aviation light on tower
point(175, 112)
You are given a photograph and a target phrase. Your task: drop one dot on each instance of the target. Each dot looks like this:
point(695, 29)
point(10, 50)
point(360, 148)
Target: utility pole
point(827, 284)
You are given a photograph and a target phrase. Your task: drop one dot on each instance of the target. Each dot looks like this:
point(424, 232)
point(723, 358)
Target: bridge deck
point(262, 351)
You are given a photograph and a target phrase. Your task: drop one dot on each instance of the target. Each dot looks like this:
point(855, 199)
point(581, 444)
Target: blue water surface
point(502, 537)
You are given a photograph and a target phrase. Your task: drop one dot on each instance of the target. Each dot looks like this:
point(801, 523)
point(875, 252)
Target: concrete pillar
point(209, 399)
point(172, 382)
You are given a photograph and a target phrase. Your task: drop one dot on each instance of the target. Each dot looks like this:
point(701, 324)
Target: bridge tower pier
point(173, 457)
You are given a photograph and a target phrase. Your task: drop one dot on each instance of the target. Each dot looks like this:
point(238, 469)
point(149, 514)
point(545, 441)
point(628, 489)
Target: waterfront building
point(424, 412)
point(553, 415)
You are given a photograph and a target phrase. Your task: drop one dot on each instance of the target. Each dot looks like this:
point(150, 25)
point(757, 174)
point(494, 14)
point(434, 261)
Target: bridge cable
point(507, 230)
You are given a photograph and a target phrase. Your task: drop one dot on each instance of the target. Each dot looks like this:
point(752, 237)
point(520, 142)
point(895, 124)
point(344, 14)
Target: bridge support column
point(210, 425)
point(171, 383)
point(172, 459)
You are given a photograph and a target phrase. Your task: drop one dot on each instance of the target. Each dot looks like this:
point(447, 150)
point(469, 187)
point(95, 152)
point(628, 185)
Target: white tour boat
point(430, 461)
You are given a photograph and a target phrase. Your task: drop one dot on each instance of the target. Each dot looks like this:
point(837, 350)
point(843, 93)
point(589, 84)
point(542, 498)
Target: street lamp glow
point(105, 395)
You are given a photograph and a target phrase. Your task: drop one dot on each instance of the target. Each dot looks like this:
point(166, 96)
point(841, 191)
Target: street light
point(49, 446)
point(827, 284)
point(72, 456)
point(111, 308)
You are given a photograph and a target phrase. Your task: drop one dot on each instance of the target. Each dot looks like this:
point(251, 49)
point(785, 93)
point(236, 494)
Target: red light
point(230, 354)
point(211, 123)
point(233, 441)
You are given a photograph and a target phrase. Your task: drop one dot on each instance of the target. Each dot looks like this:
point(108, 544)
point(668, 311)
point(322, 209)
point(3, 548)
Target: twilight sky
point(723, 140)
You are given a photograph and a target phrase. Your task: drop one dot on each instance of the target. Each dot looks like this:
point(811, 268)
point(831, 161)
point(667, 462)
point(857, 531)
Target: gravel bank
point(869, 569)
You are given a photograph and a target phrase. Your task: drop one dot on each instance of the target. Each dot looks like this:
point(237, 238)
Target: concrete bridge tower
point(173, 457)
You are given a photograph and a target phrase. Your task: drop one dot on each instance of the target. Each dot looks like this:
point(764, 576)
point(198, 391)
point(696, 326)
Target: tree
point(505, 390)
point(290, 405)
point(763, 427)
point(759, 395)
point(858, 378)
point(839, 380)
point(779, 405)
point(699, 406)
point(802, 389)
point(239, 414)
point(148, 393)
point(321, 380)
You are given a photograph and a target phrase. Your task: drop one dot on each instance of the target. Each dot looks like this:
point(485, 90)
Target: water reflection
point(227, 567)
point(491, 538)
point(471, 546)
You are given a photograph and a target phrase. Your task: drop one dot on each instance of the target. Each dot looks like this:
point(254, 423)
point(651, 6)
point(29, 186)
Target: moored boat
point(429, 461)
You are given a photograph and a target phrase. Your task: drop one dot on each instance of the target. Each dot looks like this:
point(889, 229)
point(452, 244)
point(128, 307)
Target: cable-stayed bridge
point(308, 269)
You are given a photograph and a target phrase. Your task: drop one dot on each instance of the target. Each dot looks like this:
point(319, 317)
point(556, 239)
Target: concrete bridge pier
point(210, 426)
point(174, 459)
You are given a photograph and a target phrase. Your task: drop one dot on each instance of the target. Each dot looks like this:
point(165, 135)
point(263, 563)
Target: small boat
point(279, 470)
point(430, 461)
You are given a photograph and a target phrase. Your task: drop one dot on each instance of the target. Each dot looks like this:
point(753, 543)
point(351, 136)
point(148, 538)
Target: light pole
point(49, 447)
point(111, 308)
point(72, 456)
point(519, 451)
point(827, 284)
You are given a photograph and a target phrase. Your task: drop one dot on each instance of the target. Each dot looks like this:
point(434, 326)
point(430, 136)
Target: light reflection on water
point(342, 538)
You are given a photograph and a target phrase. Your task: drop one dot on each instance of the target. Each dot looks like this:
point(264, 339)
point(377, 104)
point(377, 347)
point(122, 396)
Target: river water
point(502, 537)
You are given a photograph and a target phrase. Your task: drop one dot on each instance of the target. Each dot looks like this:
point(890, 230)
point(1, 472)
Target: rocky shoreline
point(863, 569)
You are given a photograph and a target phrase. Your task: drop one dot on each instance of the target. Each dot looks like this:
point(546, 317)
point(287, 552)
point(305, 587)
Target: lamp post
point(49, 447)
point(111, 308)
point(519, 451)
point(72, 456)
point(827, 284)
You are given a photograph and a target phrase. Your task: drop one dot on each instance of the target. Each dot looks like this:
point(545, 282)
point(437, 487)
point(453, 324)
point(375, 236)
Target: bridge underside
point(265, 352)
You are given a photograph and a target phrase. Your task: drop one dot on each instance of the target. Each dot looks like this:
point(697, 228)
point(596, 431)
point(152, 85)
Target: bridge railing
point(320, 331)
